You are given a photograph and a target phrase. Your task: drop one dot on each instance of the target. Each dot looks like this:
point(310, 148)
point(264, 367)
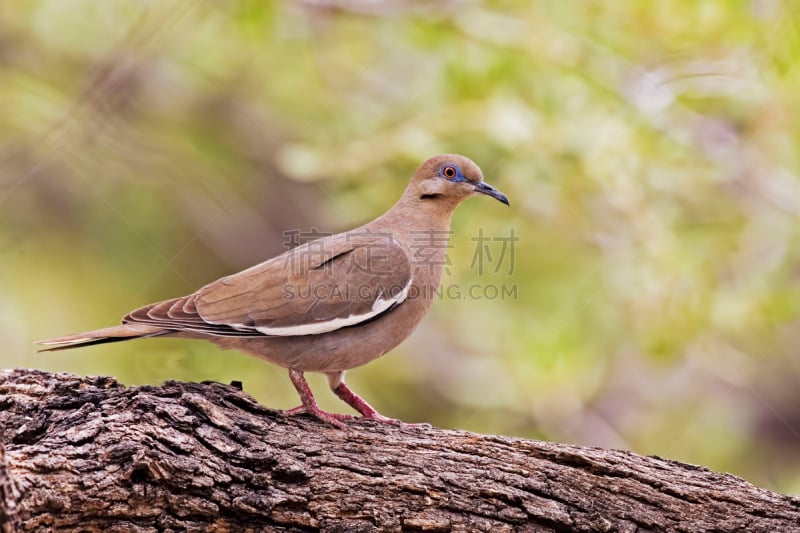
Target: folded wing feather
point(315, 288)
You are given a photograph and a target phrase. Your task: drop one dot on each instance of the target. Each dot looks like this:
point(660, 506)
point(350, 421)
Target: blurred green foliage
point(650, 151)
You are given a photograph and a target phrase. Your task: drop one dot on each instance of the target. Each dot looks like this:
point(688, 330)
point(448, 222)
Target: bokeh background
point(651, 151)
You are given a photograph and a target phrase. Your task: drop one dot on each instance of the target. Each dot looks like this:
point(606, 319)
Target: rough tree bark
point(89, 454)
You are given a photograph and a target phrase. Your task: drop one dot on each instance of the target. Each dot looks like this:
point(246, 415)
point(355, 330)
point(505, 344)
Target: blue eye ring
point(450, 172)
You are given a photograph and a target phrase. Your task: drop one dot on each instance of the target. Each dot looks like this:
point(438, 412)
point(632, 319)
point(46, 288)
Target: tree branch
point(91, 454)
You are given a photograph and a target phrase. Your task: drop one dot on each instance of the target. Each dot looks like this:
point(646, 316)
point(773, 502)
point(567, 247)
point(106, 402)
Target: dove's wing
point(318, 287)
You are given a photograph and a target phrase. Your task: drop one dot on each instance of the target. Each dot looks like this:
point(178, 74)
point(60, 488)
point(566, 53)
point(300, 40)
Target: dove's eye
point(449, 172)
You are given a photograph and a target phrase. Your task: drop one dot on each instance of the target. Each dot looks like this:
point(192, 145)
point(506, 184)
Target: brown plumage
point(329, 305)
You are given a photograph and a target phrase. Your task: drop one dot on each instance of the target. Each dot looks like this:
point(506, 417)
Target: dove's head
point(448, 179)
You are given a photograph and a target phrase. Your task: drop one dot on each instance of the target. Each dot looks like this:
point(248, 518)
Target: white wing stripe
point(379, 306)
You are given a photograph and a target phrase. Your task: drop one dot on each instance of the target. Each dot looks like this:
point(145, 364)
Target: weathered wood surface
point(89, 454)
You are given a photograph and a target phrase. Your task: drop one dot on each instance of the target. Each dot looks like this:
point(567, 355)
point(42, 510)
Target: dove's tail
point(124, 332)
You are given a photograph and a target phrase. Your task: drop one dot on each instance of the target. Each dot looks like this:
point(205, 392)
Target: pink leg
point(310, 404)
point(359, 404)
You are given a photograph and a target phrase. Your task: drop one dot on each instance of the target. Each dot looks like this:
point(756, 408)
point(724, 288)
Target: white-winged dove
point(331, 304)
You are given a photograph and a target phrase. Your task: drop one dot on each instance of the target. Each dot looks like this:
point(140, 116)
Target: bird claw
point(334, 419)
point(337, 419)
point(355, 401)
point(377, 417)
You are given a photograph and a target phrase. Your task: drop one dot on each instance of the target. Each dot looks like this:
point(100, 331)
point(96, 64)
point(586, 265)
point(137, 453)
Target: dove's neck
point(412, 216)
point(422, 227)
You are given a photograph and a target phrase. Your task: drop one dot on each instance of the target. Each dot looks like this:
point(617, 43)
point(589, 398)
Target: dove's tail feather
point(124, 332)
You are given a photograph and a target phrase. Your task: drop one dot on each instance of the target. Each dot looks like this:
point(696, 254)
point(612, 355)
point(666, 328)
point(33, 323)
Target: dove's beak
point(485, 188)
